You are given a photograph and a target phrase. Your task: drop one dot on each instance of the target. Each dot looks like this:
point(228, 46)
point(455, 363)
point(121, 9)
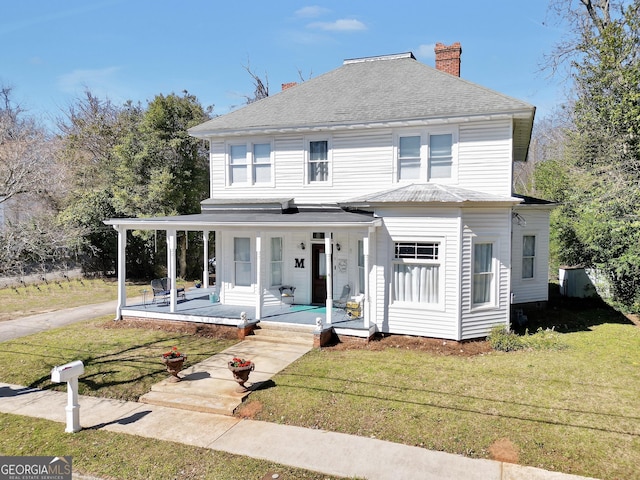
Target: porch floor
point(196, 307)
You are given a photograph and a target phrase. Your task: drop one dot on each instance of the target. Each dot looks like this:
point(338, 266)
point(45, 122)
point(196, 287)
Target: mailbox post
point(69, 373)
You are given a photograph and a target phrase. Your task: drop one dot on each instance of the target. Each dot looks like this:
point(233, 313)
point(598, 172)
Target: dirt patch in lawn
point(188, 328)
point(433, 345)
point(377, 343)
point(503, 450)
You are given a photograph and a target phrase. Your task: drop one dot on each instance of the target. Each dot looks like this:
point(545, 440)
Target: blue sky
point(135, 49)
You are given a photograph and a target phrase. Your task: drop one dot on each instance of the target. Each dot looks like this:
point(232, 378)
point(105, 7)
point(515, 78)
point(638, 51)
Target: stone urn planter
point(174, 360)
point(241, 369)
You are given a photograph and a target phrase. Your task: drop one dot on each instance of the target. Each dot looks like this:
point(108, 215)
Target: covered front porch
point(197, 307)
point(315, 254)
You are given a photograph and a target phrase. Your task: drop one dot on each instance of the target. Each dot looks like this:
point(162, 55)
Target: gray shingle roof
point(381, 89)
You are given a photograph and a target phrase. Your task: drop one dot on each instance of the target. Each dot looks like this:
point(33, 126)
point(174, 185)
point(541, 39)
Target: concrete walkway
point(327, 452)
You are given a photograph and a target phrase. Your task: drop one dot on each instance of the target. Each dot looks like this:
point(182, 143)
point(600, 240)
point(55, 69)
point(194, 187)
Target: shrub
point(504, 340)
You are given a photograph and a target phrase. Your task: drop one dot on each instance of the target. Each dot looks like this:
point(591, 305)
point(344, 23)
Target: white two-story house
point(386, 175)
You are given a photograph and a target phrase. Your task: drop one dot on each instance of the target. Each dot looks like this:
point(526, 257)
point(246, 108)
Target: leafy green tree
point(161, 169)
point(597, 176)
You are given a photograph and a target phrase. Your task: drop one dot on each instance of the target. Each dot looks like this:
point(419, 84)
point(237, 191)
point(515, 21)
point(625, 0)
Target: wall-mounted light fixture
point(338, 247)
point(302, 246)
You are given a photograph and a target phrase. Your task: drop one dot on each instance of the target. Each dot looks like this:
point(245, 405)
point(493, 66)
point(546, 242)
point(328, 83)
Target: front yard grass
point(573, 409)
point(20, 301)
point(120, 456)
point(120, 363)
point(571, 406)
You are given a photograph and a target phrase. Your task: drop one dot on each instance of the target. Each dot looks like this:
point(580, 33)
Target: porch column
point(122, 270)
point(171, 268)
point(366, 307)
point(205, 254)
point(259, 293)
point(328, 244)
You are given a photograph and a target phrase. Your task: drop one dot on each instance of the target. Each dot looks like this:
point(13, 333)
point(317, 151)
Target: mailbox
point(66, 372)
point(69, 372)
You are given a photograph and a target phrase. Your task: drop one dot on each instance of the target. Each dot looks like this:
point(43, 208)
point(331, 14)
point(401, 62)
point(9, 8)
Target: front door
point(318, 275)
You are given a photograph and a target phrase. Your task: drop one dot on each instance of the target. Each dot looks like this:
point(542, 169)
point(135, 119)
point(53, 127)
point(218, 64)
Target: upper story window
point(318, 166)
point(440, 155)
point(426, 156)
point(250, 163)
point(238, 164)
point(409, 158)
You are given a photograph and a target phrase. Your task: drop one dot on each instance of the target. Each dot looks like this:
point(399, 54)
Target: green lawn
point(120, 363)
point(129, 457)
point(571, 405)
point(574, 409)
point(26, 300)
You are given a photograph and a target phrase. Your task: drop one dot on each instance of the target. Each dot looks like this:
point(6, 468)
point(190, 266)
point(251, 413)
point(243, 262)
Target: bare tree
point(25, 156)
point(261, 87)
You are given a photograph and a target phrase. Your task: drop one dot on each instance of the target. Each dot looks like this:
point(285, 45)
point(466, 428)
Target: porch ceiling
point(334, 218)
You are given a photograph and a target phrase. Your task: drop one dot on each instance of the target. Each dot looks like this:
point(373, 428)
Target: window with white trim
point(261, 161)
point(440, 155)
point(528, 256)
point(276, 261)
point(360, 266)
point(416, 272)
point(242, 261)
point(318, 166)
point(238, 164)
point(483, 274)
point(425, 156)
point(250, 163)
point(409, 157)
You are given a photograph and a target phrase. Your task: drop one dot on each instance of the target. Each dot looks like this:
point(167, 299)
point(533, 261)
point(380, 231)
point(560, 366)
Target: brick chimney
point(288, 85)
point(448, 58)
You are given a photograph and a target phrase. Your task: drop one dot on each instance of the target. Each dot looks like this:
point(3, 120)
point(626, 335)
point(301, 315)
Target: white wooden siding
point(491, 225)
point(362, 161)
point(485, 157)
point(534, 289)
point(416, 224)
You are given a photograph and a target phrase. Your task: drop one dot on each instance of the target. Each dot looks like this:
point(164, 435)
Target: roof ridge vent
point(394, 56)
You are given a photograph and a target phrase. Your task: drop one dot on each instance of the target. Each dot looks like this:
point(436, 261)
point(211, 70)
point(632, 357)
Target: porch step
point(283, 333)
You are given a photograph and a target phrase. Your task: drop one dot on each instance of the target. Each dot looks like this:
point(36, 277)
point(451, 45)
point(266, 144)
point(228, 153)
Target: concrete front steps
point(283, 333)
point(209, 386)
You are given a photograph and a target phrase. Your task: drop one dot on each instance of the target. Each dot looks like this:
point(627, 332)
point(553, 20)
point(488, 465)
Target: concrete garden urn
point(241, 368)
point(174, 360)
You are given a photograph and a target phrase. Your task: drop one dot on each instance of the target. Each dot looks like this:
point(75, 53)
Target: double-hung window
point(276, 261)
point(409, 158)
point(360, 266)
point(261, 160)
point(528, 256)
point(250, 163)
point(440, 155)
point(318, 161)
point(416, 272)
point(483, 274)
point(242, 261)
point(425, 156)
point(238, 164)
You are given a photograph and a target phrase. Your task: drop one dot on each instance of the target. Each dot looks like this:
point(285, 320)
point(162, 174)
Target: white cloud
point(426, 51)
point(342, 25)
point(313, 11)
point(101, 82)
